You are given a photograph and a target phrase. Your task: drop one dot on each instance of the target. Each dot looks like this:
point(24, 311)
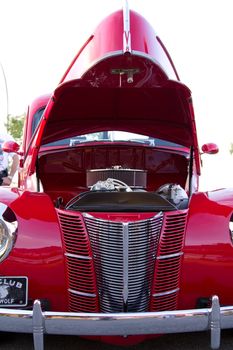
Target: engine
point(124, 190)
point(134, 178)
point(174, 193)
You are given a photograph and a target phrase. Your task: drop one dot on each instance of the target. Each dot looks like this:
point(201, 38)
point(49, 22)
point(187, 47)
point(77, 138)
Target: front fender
point(208, 251)
point(37, 252)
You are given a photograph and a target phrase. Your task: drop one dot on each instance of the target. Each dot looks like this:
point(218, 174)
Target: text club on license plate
point(13, 291)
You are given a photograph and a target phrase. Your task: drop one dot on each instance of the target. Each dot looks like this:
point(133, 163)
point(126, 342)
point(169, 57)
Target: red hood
point(94, 96)
point(125, 85)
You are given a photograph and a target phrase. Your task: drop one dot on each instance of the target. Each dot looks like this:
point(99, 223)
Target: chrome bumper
point(179, 321)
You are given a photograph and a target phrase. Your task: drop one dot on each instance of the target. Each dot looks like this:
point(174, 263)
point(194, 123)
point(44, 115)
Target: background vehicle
point(107, 230)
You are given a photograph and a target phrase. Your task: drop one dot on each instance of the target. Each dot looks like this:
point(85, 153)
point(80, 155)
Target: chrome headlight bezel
point(7, 234)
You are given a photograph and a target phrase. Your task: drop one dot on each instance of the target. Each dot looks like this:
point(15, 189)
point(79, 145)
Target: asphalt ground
point(188, 341)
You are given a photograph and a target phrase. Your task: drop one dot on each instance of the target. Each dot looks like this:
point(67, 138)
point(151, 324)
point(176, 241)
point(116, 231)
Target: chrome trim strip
point(169, 256)
point(125, 263)
point(89, 216)
point(166, 293)
point(92, 295)
point(84, 257)
point(194, 320)
point(126, 26)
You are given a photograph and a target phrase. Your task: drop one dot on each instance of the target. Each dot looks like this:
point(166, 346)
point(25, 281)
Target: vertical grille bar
point(125, 263)
point(168, 262)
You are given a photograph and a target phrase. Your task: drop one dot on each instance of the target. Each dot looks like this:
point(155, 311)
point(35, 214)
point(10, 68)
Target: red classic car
point(106, 235)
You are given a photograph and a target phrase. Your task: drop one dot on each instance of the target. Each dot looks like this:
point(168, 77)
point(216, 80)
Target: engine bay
point(115, 178)
point(114, 195)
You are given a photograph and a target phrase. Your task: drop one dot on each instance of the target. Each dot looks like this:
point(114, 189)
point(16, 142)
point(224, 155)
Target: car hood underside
point(161, 111)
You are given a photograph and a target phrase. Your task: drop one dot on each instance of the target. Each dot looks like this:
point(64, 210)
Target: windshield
point(113, 136)
point(119, 136)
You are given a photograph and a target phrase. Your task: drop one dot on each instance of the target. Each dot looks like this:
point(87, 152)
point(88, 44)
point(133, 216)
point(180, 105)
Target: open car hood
point(161, 111)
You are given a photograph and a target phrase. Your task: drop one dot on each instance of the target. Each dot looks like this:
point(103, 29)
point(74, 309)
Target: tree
point(231, 148)
point(15, 126)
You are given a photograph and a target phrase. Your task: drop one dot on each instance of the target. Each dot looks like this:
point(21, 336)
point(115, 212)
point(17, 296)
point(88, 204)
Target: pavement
point(188, 341)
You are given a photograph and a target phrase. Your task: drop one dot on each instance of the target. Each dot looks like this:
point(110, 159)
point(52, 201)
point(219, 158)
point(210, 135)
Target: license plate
point(13, 291)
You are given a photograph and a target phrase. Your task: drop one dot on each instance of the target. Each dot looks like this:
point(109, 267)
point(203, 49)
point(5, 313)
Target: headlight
point(7, 235)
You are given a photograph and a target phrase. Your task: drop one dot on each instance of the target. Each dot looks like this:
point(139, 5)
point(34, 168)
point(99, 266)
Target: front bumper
point(39, 323)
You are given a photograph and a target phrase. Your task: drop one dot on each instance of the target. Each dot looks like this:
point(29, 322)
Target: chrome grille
point(124, 256)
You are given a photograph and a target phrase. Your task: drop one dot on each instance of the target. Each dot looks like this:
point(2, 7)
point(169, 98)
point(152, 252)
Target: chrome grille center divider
point(125, 263)
point(124, 258)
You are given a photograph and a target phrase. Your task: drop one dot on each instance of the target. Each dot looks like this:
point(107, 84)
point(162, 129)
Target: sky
point(39, 38)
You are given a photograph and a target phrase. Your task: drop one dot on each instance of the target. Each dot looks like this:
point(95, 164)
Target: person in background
point(6, 173)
